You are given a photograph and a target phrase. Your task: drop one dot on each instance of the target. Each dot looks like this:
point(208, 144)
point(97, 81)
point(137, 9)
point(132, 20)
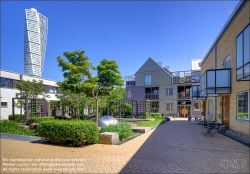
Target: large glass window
point(243, 105)
point(243, 55)
point(52, 89)
point(147, 79)
point(169, 91)
point(4, 82)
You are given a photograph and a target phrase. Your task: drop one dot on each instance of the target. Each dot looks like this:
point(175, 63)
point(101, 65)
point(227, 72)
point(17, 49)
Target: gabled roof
point(163, 68)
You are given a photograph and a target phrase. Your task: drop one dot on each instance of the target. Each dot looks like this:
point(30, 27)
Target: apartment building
point(225, 69)
point(167, 92)
point(8, 91)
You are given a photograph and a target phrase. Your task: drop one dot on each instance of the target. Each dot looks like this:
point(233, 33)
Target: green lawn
point(152, 123)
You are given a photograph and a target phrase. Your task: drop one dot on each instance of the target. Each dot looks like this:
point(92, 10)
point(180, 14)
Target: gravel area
point(238, 136)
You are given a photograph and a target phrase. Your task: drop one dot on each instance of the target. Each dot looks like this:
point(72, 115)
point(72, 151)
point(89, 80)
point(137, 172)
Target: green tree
point(30, 89)
point(78, 77)
point(73, 101)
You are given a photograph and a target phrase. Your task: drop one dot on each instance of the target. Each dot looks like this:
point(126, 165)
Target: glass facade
point(216, 81)
point(243, 55)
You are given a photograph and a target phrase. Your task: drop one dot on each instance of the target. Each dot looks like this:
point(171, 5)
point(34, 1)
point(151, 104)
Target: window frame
point(168, 91)
point(170, 107)
point(4, 106)
point(199, 106)
point(248, 97)
point(244, 64)
point(129, 92)
point(147, 79)
point(227, 58)
point(212, 108)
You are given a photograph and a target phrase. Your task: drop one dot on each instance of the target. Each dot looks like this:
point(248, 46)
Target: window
point(147, 79)
point(129, 94)
point(52, 89)
point(243, 55)
point(227, 62)
point(210, 107)
point(169, 91)
point(243, 105)
point(4, 104)
point(197, 106)
point(7, 83)
point(169, 106)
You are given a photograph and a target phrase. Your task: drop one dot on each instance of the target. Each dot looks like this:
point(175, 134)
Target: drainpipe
point(215, 98)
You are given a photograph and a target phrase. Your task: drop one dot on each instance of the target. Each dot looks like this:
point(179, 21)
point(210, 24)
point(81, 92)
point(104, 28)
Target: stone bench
point(108, 138)
point(141, 129)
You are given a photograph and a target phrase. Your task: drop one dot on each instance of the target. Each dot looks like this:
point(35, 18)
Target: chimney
point(160, 63)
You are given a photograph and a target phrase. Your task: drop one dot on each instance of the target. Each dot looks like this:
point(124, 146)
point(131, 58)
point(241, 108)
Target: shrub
point(123, 128)
point(69, 132)
point(18, 118)
point(155, 115)
point(38, 119)
point(13, 127)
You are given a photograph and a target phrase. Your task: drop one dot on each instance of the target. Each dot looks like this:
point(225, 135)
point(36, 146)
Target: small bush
point(123, 128)
point(13, 127)
point(17, 118)
point(38, 119)
point(155, 115)
point(69, 132)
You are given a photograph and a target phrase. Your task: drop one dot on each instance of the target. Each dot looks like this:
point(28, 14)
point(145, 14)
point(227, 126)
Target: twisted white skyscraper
point(35, 40)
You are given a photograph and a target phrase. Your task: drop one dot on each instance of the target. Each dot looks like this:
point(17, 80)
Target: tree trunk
point(96, 100)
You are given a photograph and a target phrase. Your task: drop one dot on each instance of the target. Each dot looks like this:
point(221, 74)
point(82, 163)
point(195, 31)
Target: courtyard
point(174, 147)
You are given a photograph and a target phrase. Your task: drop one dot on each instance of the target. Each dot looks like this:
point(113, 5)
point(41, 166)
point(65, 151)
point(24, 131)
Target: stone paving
point(174, 147)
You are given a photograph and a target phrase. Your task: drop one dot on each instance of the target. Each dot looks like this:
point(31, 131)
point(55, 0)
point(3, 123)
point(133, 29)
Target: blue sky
point(171, 32)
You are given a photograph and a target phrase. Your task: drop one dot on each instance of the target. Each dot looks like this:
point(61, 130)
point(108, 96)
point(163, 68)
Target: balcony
point(195, 93)
point(183, 77)
point(184, 95)
point(152, 96)
point(130, 80)
point(216, 81)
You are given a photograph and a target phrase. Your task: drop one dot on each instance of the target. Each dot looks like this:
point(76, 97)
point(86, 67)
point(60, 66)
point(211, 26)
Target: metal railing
point(151, 96)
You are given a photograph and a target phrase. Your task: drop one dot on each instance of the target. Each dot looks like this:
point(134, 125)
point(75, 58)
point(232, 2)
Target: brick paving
point(175, 147)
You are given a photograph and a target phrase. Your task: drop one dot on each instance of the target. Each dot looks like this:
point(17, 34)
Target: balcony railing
point(216, 81)
point(182, 77)
point(184, 95)
point(195, 93)
point(152, 96)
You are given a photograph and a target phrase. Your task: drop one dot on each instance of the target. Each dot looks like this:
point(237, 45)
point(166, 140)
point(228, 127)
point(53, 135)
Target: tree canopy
point(78, 77)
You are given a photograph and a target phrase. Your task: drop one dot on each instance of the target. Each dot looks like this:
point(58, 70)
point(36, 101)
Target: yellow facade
point(226, 46)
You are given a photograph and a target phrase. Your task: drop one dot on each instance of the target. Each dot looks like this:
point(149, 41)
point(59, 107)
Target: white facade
point(8, 91)
point(195, 64)
point(35, 40)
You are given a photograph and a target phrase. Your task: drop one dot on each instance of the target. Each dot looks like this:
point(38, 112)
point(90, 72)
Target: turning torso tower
point(35, 40)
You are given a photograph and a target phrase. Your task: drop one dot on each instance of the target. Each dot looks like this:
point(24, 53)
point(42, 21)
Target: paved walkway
point(175, 147)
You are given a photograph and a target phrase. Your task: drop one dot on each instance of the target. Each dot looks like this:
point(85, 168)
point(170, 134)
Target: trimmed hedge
point(123, 128)
point(69, 132)
point(38, 119)
point(18, 118)
point(155, 115)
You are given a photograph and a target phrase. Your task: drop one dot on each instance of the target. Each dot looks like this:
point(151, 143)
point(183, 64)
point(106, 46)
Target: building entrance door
point(225, 111)
point(184, 110)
